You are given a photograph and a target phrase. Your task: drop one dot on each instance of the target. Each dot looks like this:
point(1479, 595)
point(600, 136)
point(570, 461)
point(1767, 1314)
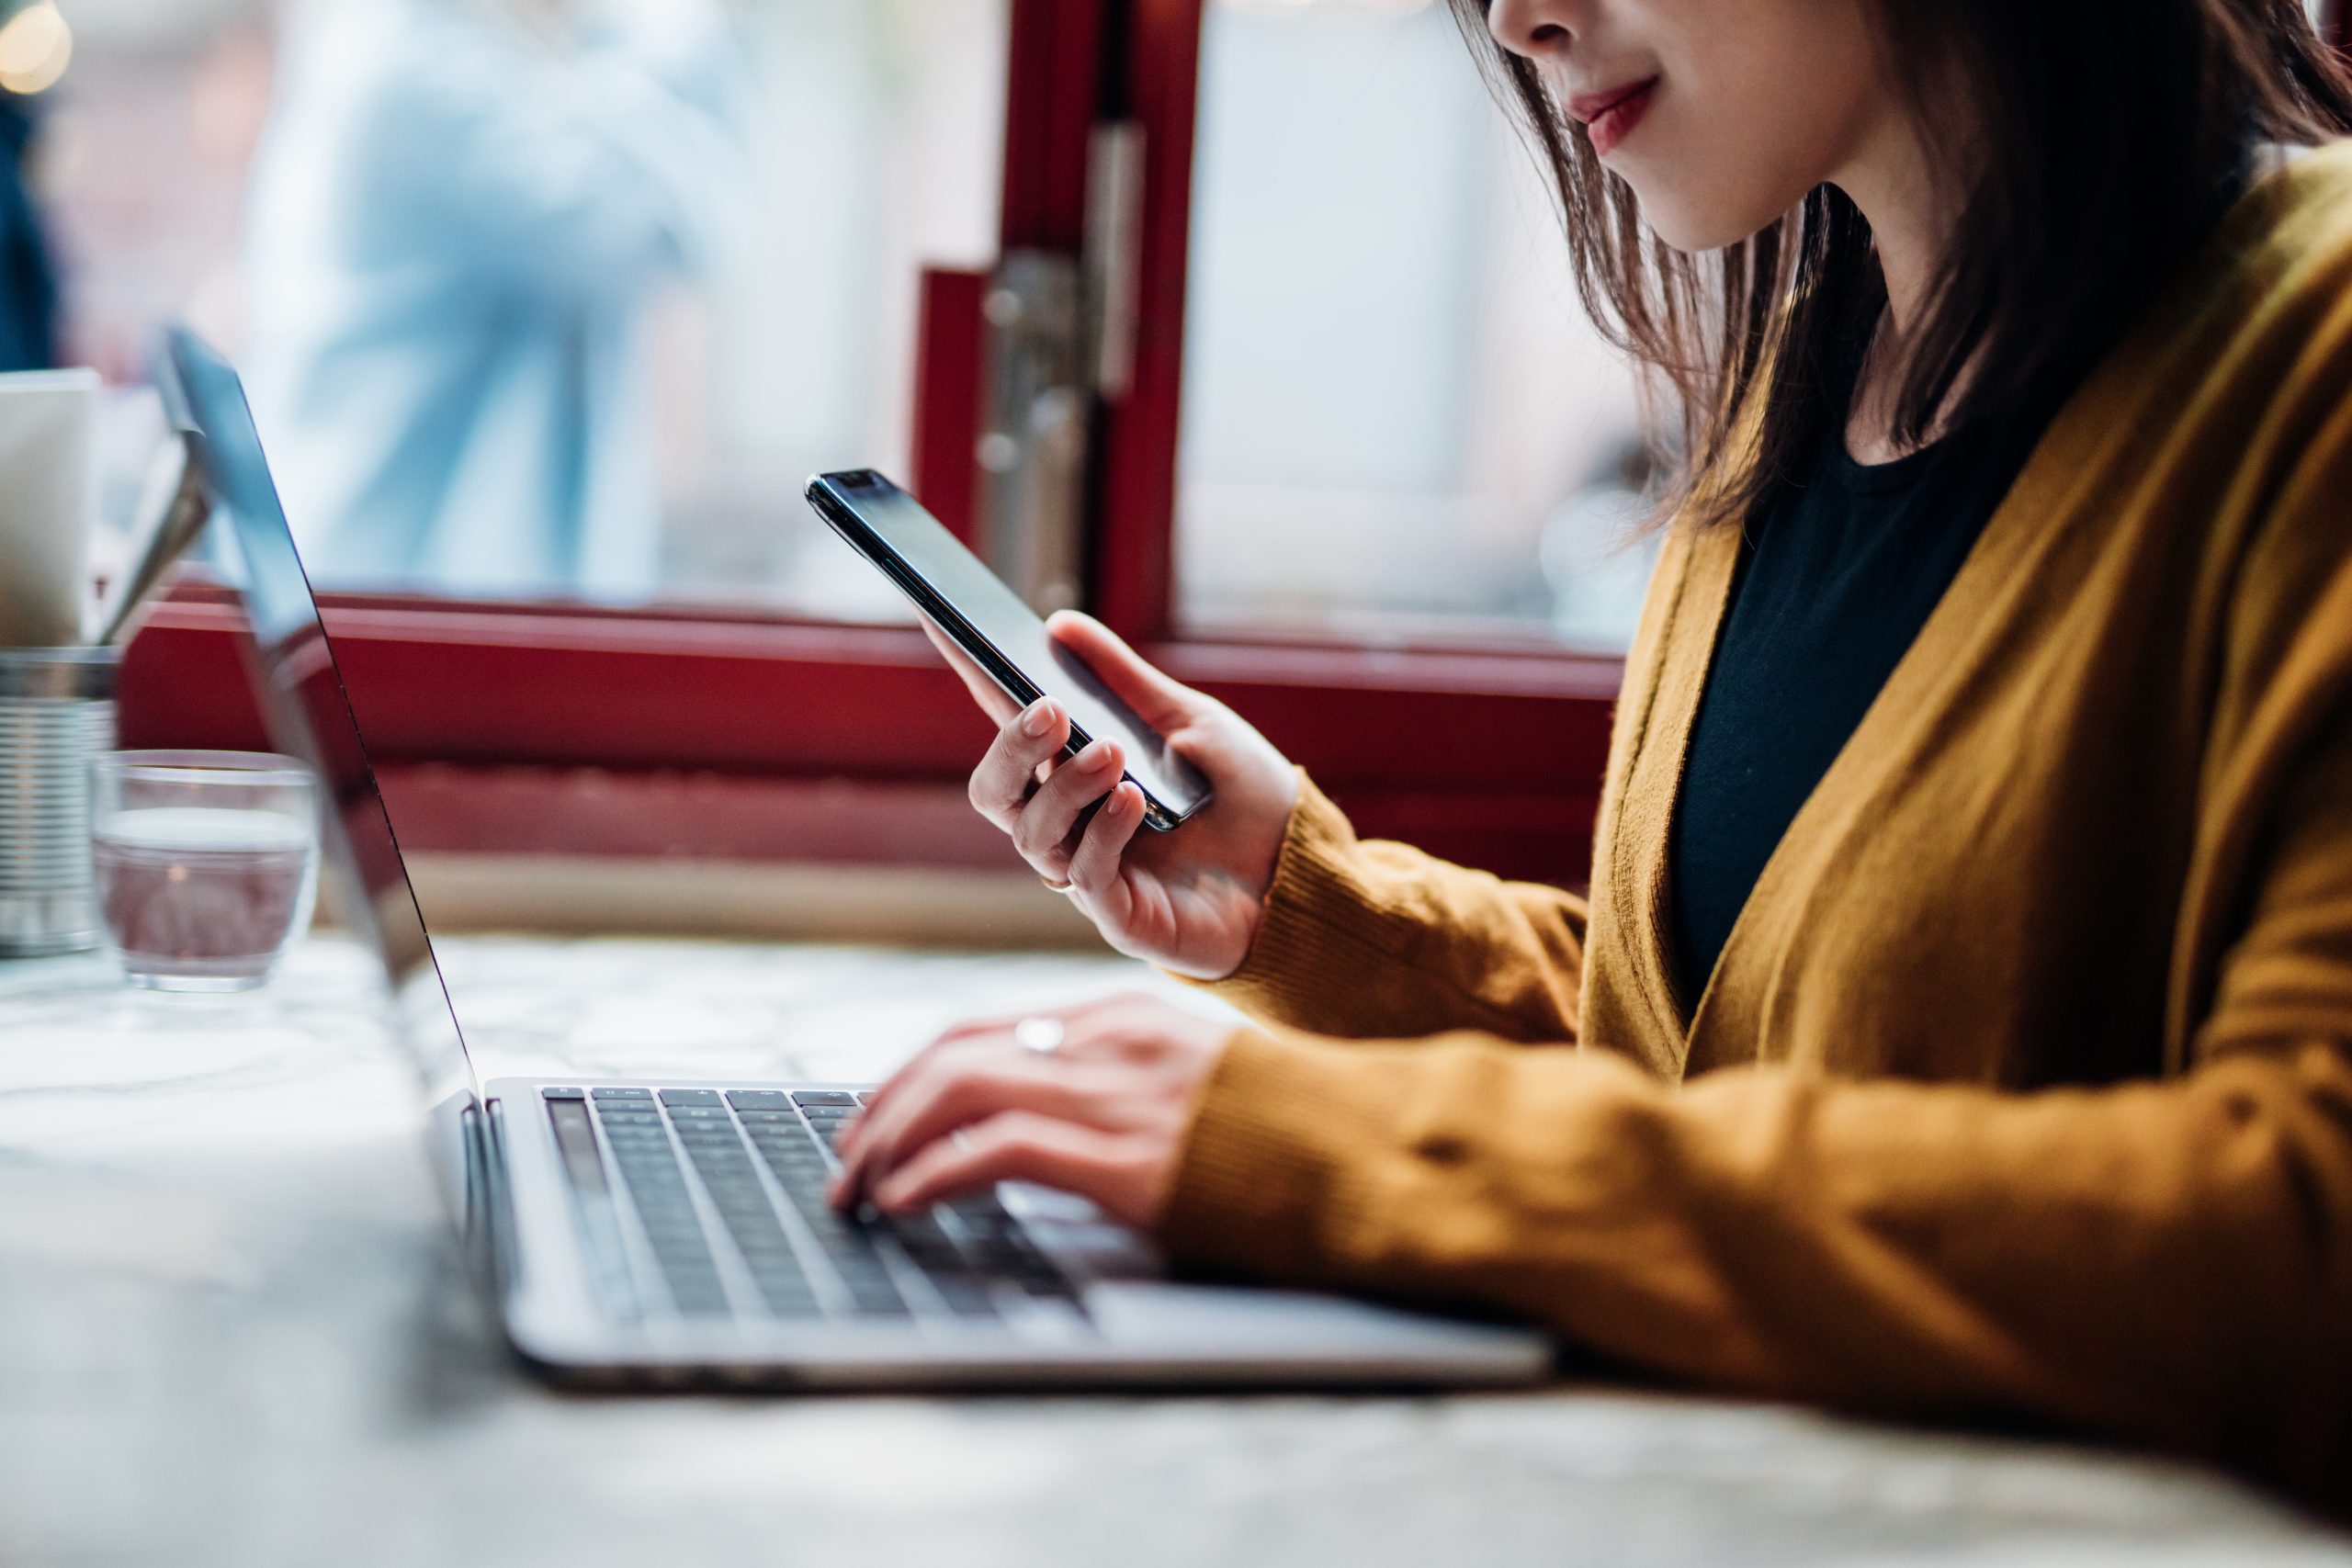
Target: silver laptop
point(666, 1230)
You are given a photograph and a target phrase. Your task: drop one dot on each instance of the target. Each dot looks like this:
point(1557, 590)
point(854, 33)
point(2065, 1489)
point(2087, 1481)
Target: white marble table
point(232, 1331)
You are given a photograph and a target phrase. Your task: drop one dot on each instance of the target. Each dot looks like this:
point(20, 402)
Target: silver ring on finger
point(1039, 1036)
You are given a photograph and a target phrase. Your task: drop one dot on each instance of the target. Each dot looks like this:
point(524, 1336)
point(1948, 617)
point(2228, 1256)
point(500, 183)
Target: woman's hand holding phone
point(1188, 900)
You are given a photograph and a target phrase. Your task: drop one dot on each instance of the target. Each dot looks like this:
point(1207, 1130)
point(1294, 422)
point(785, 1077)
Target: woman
point(1961, 1024)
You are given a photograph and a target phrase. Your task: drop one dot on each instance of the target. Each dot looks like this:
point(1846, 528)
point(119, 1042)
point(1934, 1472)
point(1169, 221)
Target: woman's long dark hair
point(2104, 129)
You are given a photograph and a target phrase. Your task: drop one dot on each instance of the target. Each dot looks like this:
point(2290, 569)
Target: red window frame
point(558, 728)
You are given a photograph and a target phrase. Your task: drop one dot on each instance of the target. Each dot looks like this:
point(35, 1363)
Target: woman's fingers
point(1040, 817)
point(1102, 1117)
point(967, 1091)
point(1018, 1146)
point(1000, 784)
point(1083, 1021)
point(1095, 867)
point(1160, 702)
point(1092, 1030)
point(970, 1029)
point(1042, 828)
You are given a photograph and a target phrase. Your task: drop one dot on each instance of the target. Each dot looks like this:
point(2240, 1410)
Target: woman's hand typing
point(1100, 1112)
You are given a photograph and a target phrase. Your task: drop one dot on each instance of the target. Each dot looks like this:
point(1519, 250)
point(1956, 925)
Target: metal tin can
point(56, 714)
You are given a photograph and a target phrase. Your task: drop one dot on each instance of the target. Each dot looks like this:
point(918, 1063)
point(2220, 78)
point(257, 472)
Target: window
point(748, 710)
point(670, 265)
point(1396, 416)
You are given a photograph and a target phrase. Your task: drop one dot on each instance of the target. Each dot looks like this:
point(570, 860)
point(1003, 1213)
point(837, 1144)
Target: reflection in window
point(1396, 415)
point(543, 296)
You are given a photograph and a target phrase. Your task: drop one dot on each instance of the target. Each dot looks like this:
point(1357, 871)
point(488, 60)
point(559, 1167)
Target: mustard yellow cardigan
point(2024, 1086)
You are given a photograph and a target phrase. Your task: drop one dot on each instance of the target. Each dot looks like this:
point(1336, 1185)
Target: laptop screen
point(309, 717)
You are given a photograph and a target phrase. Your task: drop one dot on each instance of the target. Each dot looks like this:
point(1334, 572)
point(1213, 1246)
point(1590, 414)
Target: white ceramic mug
point(48, 490)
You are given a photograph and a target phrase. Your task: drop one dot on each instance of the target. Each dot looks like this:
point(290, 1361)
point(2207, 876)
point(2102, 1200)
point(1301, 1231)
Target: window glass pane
point(1396, 417)
point(542, 298)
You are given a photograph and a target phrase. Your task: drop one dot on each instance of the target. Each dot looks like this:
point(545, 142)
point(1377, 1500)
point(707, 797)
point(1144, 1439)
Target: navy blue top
point(1837, 575)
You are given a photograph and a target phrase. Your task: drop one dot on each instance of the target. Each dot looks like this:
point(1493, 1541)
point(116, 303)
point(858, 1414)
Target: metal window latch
point(1061, 335)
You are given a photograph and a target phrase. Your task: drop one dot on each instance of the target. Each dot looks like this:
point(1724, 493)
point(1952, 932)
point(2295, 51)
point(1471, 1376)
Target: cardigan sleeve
point(2167, 1260)
point(1369, 939)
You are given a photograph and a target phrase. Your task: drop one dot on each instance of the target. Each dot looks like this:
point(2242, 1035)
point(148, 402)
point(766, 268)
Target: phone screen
point(956, 591)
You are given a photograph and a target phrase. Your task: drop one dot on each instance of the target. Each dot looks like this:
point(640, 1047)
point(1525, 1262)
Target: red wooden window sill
point(546, 729)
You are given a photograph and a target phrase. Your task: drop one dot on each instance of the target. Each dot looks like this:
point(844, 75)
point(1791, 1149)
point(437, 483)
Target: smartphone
point(958, 594)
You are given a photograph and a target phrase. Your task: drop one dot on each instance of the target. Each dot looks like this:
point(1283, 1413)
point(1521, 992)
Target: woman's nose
point(1539, 29)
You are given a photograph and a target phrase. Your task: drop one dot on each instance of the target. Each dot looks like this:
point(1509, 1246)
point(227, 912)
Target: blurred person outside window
point(460, 211)
point(27, 278)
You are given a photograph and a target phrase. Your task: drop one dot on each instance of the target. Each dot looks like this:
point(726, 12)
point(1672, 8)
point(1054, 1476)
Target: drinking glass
point(206, 862)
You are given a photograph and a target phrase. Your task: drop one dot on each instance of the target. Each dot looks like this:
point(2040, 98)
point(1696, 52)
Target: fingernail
point(1101, 758)
point(1040, 719)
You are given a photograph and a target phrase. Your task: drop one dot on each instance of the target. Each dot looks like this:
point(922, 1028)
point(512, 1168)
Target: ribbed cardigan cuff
point(1277, 1159)
point(1315, 926)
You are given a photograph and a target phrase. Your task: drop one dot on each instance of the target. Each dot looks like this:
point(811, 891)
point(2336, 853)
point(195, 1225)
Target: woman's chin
point(1693, 226)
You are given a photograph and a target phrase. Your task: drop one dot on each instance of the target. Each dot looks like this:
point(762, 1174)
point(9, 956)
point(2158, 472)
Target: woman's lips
point(1611, 116)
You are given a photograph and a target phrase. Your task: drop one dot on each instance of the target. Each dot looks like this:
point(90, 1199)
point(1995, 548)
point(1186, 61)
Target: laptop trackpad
point(1264, 1322)
point(1130, 1300)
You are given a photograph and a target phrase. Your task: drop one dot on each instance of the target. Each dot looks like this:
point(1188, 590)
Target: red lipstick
point(1611, 116)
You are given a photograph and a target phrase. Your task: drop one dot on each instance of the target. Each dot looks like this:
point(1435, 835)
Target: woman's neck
point(1911, 204)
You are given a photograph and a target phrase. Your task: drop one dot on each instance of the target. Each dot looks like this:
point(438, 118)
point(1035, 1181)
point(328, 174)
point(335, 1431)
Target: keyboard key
point(620, 1094)
point(561, 1093)
point(788, 1301)
point(683, 1114)
point(807, 1097)
point(785, 1129)
point(801, 1178)
point(878, 1298)
point(928, 1243)
point(656, 1196)
point(966, 1296)
point(691, 1097)
point(795, 1145)
point(760, 1100)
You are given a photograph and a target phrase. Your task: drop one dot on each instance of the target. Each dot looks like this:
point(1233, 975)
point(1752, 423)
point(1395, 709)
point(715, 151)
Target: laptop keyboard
point(728, 1189)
